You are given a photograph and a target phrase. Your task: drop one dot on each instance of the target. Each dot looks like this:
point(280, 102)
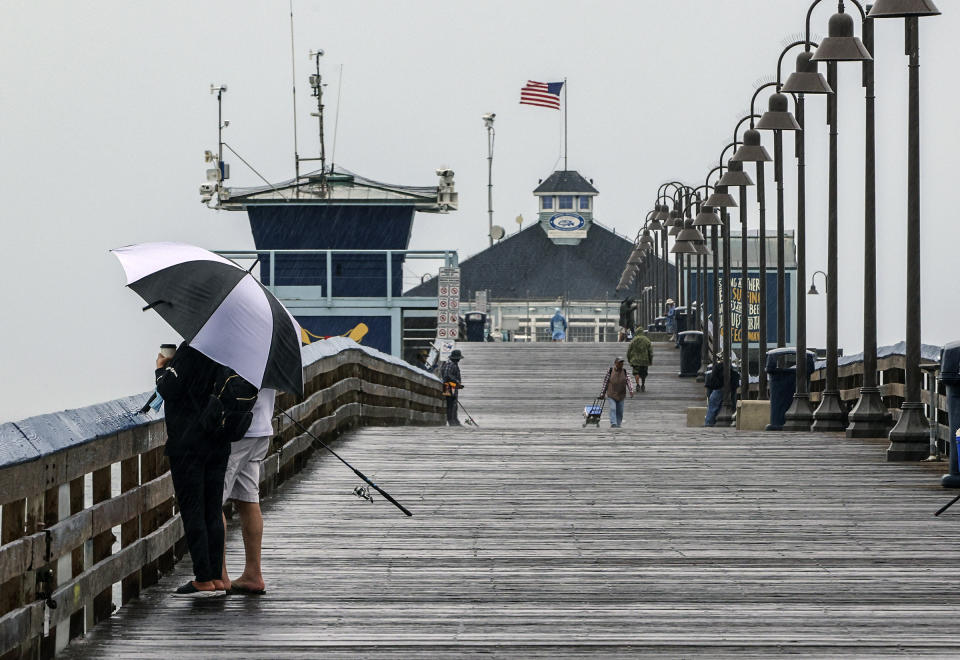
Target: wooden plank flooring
point(536, 538)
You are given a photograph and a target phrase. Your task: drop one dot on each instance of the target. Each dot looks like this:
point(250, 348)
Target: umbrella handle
point(157, 302)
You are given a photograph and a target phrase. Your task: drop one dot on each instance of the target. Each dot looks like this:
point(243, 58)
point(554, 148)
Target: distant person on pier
point(197, 463)
point(452, 384)
point(558, 326)
point(714, 382)
point(616, 385)
point(626, 318)
point(640, 357)
point(242, 485)
point(672, 319)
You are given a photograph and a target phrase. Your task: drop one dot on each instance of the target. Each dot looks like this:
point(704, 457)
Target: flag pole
point(565, 124)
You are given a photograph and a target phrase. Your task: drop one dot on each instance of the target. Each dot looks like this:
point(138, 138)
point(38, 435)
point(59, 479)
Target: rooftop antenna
point(317, 84)
point(336, 120)
point(293, 73)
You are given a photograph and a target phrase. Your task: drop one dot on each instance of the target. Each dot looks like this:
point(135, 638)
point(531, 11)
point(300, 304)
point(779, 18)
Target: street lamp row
point(870, 417)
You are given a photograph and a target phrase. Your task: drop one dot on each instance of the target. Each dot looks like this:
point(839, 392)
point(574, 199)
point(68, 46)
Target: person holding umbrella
point(197, 463)
point(228, 320)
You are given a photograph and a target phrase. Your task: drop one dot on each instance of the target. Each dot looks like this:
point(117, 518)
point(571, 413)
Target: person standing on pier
point(450, 375)
point(626, 318)
point(242, 485)
point(558, 326)
point(616, 384)
point(671, 319)
point(640, 357)
point(197, 464)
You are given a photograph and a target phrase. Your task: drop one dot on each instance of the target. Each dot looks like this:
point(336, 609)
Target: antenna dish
point(497, 232)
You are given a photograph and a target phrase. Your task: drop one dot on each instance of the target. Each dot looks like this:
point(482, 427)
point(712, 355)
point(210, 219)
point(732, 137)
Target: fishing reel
point(363, 492)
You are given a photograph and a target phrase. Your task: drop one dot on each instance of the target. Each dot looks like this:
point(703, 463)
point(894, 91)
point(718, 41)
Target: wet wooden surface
point(536, 538)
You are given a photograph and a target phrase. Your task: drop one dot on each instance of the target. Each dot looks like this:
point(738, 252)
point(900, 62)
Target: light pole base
point(870, 417)
point(950, 481)
point(726, 415)
point(800, 415)
point(828, 417)
point(910, 438)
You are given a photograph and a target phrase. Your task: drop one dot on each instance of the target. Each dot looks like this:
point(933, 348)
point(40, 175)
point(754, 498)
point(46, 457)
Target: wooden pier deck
point(533, 538)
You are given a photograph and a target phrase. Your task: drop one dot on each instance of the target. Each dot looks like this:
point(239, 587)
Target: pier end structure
point(331, 244)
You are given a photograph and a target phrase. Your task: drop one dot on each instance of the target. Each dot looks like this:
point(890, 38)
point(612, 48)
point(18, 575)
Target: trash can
point(691, 343)
point(782, 378)
point(950, 377)
point(680, 316)
point(659, 324)
point(476, 321)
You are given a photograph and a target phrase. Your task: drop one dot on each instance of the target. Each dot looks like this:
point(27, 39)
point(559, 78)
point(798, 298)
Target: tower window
point(584, 203)
point(565, 202)
point(547, 202)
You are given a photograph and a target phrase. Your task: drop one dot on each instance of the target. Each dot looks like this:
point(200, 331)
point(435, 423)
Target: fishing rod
point(470, 420)
point(948, 505)
point(355, 470)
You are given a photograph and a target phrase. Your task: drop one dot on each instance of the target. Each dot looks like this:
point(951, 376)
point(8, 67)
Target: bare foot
point(252, 584)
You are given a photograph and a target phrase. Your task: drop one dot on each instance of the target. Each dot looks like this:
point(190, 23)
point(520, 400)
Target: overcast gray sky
point(106, 112)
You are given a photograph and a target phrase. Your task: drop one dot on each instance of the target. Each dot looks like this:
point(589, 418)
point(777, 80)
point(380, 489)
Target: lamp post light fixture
point(840, 46)
point(813, 287)
point(907, 438)
point(804, 80)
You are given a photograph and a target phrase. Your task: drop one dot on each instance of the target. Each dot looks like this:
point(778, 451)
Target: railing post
point(273, 271)
point(130, 530)
point(329, 277)
point(102, 544)
point(389, 276)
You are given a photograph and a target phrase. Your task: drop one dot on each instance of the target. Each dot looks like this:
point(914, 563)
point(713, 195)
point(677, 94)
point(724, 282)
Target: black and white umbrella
point(220, 309)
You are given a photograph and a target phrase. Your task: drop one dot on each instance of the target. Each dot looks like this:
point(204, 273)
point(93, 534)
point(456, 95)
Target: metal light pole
point(488, 122)
point(908, 439)
point(736, 177)
point(869, 418)
point(840, 46)
point(753, 152)
point(722, 200)
point(805, 80)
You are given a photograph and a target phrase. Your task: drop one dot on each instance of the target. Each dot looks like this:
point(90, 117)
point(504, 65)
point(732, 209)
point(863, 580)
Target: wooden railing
point(87, 497)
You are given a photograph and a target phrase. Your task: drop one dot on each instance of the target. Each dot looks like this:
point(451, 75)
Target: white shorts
point(242, 481)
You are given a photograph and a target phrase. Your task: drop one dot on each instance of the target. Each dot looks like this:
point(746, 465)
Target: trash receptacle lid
point(950, 362)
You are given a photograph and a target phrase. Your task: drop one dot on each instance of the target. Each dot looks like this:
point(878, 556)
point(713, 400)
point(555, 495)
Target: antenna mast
point(293, 74)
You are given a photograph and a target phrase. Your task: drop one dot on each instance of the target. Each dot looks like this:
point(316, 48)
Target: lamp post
point(722, 200)
point(707, 217)
point(804, 80)
point(909, 437)
point(753, 152)
point(840, 46)
point(488, 124)
point(736, 177)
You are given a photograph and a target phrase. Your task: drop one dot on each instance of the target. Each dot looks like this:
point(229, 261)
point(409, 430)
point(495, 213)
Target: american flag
point(546, 95)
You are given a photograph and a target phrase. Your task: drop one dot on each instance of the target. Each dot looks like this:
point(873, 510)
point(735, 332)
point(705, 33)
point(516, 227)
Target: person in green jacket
point(640, 357)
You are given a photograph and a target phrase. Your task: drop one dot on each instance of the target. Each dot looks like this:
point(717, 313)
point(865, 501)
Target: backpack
point(229, 410)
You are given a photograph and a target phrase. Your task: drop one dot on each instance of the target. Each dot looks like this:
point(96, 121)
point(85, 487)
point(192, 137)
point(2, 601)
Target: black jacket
point(185, 385)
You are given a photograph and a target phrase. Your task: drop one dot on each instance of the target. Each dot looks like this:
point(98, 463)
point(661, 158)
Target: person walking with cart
point(450, 375)
point(640, 357)
point(616, 385)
